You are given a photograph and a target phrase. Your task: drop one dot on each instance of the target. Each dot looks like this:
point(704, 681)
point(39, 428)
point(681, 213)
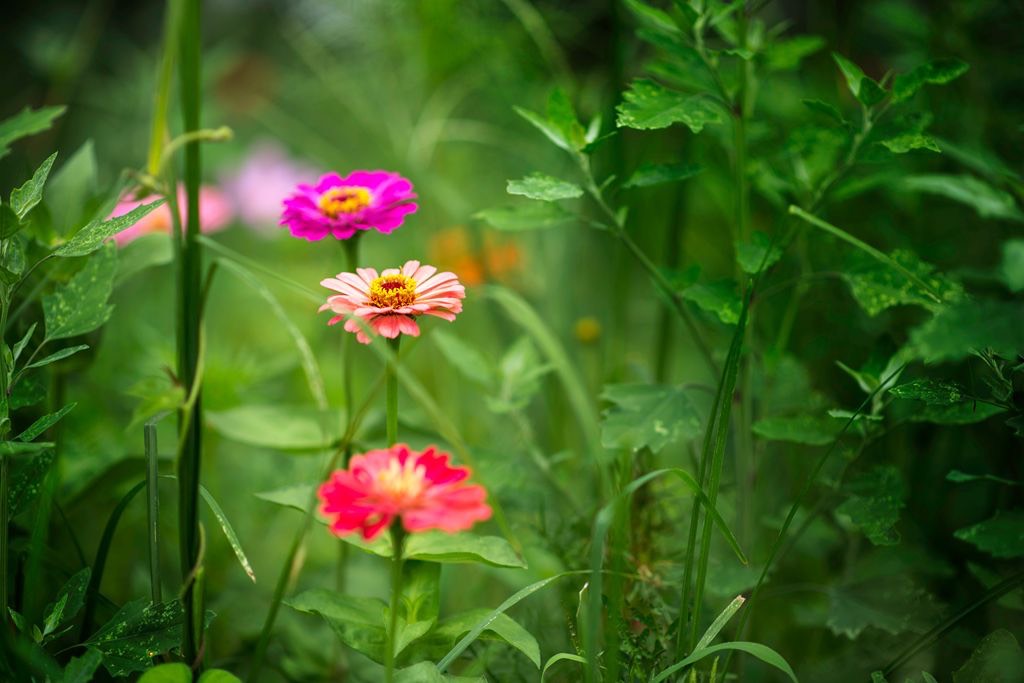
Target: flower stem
point(397, 542)
point(351, 247)
point(392, 392)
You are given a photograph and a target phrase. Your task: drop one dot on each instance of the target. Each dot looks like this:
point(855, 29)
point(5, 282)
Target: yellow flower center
point(392, 291)
point(402, 483)
point(345, 199)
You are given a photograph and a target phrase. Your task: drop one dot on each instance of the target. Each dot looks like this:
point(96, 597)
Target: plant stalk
point(392, 392)
point(398, 544)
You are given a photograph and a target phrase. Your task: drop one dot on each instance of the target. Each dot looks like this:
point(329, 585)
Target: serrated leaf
point(867, 91)
point(890, 603)
point(1002, 536)
point(44, 423)
point(998, 658)
point(58, 355)
point(137, 633)
point(647, 416)
point(26, 122)
point(935, 392)
point(806, 429)
point(26, 197)
point(987, 201)
point(80, 305)
point(92, 236)
point(528, 216)
point(901, 144)
point(750, 255)
point(719, 297)
point(282, 427)
point(874, 504)
point(649, 105)
point(544, 188)
point(656, 174)
point(877, 286)
point(959, 330)
point(937, 72)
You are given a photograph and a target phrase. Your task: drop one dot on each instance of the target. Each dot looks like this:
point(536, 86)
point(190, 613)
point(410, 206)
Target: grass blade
point(762, 652)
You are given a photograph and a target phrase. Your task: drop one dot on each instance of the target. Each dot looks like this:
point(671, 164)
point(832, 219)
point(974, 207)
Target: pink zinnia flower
point(342, 206)
point(262, 181)
point(214, 213)
point(391, 301)
point(421, 489)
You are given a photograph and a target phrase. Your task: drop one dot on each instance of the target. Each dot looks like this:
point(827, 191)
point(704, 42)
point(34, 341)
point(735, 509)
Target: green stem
point(153, 507)
point(351, 247)
point(5, 491)
point(397, 543)
point(392, 392)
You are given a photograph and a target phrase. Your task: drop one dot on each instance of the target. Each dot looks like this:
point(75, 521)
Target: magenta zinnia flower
point(421, 489)
point(342, 206)
point(391, 301)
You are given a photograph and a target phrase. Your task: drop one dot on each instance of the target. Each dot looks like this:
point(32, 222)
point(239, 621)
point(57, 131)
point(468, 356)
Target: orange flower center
point(401, 484)
point(345, 199)
point(392, 291)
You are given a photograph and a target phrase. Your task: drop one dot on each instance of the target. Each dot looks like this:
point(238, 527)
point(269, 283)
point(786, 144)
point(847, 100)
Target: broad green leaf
point(528, 216)
point(466, 359)
point(138, 632)
point(437, 546)
point(92, 236)
point(1002, 536)
point(44, 423)
point(750, 255)
point(562, 116)
point(825, 108)
point(168, 673)
point(218, 676)
point(649, 105)
point(998, 658)
point(295, 497)
point(964, 413)
point(550, 131)
point(21, 448)
point(9, 223)
point(80, 305)
point(81, 669)
point(358, 622)
point(1011, 269)
point(27, 477)
point(29, 391)
point(426, 672)
point(69, 601)
point(987, 200)
point(71, 191)
point(58, 355)
point(876, 286)
point(647, 416)
point(718, 297)
point(282, 427)
point(867, 91)
point(934, 392)
point(901, 144)
point(976, 325)
point(786, 54)
point(890, 603)
point(14, 259)
point(874, 504)
point(805, 429)
point(142, 253)
point(762, 652)
point(440, 640)
point(26, 122)
point(544, 188)
point(937, 72)
point(656, 174)
point(25, 198)
point(653, 16)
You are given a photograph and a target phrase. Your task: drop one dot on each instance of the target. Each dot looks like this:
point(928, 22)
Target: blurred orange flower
point(453, 249)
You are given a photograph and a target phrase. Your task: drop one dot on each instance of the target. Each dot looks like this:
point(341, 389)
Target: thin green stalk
point(161, 99)
point(189, 303)
point(392, 392)
point(673, 244)
point(153, 507)
point(398, 544)
point(351, 247)
point(5, 492)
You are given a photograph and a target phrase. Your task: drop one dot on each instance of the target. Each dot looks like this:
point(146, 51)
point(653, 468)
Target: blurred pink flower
point(390, 302)
point(261, 183)
point(214, 213)
point(421, 489)
point(362, 200)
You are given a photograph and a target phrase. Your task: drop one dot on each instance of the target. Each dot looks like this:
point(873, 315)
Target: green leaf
point(23, 342)
point(762, 652)
point(649, 105)
point(27, 477)
point(544, 188)
point(520, 372)
point(560, 657)
point(877, 286)
point(901, 144)
point(961, 477)
point(142, 253)
point(647, 415)
point(530, 216)
point(997, 659)
point(58, 355)
point(551, 132)
point(138, 632)
point(296, 497)
point(786, 54)
point(987, 201)
point(20, 448)
point(751, 254)
point(718, 297)
point(81, 669)
point(867, 91)
point(69, 601)
point(448, 632)
point(281, 427)
point(720, 621)
point(25, 198)
point(891, 603)
point(874, 504)
point(14, 258)
point(26, 122)
point(934, 392)
point(464, 358)
point(358, 622)
point(656, 174)
point(976, 325)
point(71, 192)
point(92, 236)
point(562, 116)
point(426, 672)
point(229, 532)
point(80, 306)
point(806, 429)
point(1002, 536)
point(825, 108)
point(1011, 269)
point(938, 72)
point(44, 423)
point(168, 673)
point(653, 16)
point(218, 676)
point(437, 546)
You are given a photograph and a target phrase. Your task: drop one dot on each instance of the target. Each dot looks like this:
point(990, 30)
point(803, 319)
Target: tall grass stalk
point(392, 391)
